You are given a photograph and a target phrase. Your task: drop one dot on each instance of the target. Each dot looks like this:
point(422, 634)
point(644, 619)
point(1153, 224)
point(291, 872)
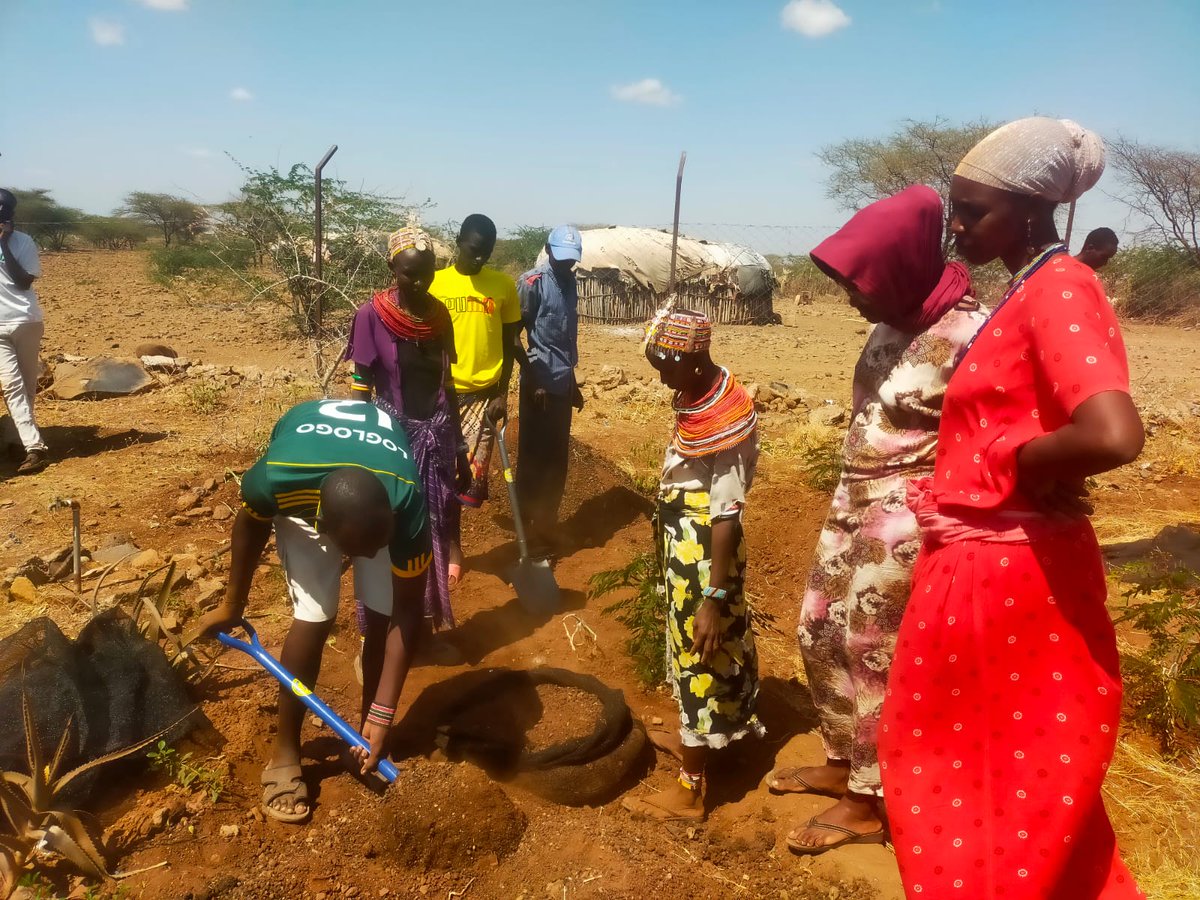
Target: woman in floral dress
point(711, 658)
point(890, 261)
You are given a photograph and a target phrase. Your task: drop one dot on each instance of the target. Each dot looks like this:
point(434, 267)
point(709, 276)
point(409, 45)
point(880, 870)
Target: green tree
point(254, 222)
point(519, 251)
point(113, 233)
point(44, 219)
point(273, 213)
point(864, 170)
point(178, 219)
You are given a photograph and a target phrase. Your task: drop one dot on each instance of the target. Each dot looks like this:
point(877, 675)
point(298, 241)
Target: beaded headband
point(407, 238)
point(676, 333)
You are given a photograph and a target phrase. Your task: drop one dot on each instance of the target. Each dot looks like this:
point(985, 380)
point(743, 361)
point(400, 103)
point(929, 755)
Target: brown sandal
point(285, 781)
point(878, 836)
point(776, 776)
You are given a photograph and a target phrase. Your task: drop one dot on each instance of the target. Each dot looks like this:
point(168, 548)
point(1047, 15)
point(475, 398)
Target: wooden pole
point(675, 226)
point(1070, 224)
point(318, 268)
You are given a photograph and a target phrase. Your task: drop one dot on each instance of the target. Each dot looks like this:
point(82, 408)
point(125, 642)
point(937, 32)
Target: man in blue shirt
point(549, 299)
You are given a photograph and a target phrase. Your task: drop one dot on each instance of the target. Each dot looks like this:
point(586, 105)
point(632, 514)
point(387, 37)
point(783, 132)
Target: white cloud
point(813, 18)
point(240, 94)
point(106, 33)
point(649, 91)
point(165, 5)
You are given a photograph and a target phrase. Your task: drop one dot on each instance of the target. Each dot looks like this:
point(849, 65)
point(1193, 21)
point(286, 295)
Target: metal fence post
point(319, 306)
point(675, 227)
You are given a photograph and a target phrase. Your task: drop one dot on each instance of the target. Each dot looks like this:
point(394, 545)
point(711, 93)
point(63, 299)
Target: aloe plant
point(34, 819)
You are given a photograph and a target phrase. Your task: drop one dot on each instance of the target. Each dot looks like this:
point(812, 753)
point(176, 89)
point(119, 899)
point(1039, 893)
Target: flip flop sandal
point(35, 461)
point(645, 808)
point(851, 837)
point(453, 575)
point(775, 776)
point(285, 781)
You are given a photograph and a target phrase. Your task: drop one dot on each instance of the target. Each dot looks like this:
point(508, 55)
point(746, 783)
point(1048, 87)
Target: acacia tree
point(1163, 187)
point(918, 152)
point(113, 233)
point(178, 218)
point(44, 219)
point(273, 213)
point(519, 251)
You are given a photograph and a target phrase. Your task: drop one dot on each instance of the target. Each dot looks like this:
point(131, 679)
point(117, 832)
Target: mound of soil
point(435, 816)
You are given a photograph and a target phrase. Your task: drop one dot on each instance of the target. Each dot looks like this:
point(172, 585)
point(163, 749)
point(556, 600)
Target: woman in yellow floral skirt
point(711, 661)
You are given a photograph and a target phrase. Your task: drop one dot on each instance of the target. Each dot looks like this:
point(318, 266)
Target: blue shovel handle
point(255, 649)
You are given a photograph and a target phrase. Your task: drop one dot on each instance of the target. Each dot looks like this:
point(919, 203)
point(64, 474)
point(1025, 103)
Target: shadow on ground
point(785, 708)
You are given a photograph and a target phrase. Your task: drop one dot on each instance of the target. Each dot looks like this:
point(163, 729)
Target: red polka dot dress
point(1004, 698)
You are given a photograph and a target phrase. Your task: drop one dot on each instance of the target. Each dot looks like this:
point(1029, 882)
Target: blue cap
point(565, 243)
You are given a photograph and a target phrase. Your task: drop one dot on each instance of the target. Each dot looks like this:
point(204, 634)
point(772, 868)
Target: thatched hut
point(624, 273)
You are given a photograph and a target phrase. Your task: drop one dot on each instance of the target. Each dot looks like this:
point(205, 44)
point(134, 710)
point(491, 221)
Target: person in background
point(1004, 699)
point(21, 332)
point(890, 261)
point(402, 347)
point(1099, 247)
point(486, 317)
point(549, 299)
point(337, 480)
point(707, 472)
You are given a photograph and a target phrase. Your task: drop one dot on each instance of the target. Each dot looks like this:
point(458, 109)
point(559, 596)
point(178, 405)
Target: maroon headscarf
point(891, 251)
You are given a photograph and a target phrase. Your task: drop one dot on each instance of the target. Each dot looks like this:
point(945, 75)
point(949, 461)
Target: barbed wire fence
point(1146, 281)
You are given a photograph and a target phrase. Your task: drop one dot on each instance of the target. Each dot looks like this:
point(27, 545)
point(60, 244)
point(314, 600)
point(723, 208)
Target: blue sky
point(517, 109)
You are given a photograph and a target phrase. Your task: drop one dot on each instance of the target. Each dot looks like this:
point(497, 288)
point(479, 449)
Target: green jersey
point(313, 439)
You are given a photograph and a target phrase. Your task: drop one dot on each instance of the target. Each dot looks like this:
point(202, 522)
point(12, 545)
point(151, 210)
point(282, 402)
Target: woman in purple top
point(402, 345)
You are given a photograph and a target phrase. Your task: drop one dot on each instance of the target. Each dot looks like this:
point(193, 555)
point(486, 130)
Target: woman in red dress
point(1004, 697)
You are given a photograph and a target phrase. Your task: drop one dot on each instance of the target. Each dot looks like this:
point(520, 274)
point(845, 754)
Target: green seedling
point(643, 612)
point(186, 772)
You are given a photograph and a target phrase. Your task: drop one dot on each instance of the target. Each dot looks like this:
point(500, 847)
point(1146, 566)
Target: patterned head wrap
point(677, 332)
point(1054, 158)
point(407, 238)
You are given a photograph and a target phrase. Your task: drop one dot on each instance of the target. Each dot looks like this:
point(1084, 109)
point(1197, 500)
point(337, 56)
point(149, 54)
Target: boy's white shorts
point(313, 569)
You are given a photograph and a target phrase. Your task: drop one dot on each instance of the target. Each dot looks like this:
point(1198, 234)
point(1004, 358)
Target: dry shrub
point(817, 448)
point(642, 465)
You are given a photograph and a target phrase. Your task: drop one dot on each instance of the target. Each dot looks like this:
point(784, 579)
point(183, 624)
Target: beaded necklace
point(1014, 283)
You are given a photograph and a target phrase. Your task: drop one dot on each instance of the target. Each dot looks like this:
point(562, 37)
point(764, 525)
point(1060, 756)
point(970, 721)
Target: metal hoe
point(318, 706)
point(533, 579)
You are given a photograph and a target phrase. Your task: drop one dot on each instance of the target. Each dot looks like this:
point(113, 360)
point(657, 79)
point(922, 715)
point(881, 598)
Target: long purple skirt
point(433, 442)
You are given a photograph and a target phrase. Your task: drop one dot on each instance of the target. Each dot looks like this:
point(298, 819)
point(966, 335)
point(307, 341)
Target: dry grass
point(211, 406)
point(1132, 521)
point(1153, 804)
point(799, 438)
point(642, 465)
point(1173, 451)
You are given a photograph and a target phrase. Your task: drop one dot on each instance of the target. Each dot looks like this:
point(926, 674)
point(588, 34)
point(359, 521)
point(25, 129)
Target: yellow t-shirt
point(480, 306)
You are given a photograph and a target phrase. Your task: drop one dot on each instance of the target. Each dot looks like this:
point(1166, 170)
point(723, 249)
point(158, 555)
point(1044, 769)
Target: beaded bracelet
point(381, 715)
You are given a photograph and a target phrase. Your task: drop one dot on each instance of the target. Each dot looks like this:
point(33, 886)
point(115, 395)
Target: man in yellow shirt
point(486, 313)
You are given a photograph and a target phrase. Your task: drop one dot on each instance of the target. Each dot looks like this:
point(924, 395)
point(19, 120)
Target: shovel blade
point(537, 591)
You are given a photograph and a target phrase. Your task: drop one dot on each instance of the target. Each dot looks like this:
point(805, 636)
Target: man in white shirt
point(20, 333)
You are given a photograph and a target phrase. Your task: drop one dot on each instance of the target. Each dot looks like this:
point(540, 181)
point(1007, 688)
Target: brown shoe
point(35, 461)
